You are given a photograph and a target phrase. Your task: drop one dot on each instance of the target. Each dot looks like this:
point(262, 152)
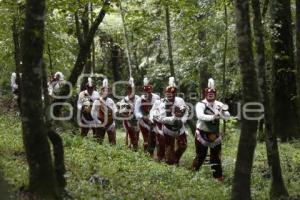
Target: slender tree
point(247, 142)
point(284, 79)
point(278, 188)
point(84, 51)
point(169, 39)
point(224, 60)
point(298, 49)
point(41, 174)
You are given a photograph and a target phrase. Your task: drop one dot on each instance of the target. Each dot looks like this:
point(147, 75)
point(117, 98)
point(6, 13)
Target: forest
point(150, 99)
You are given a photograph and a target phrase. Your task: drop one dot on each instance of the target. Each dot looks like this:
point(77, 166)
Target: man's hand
point(216, 117)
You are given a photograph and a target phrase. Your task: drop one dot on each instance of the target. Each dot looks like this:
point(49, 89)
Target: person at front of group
point(209, 113)
point(169, 116)
point(126, 110)
point(142, 110)
point(103, 111)
point(85, 101)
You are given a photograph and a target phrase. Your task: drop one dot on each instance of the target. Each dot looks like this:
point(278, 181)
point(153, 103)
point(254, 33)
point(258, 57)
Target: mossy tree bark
point(41, 174)
point(247, 143)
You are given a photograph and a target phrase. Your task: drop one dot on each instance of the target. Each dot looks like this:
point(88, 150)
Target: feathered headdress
point(210, 92)
point(61, 76)
point(211, 84)
point(90, 82)
point(172, 82)
point(146, 81)
point(131, 82)
point(105, 83)
point(147, 86)
point(171, 88)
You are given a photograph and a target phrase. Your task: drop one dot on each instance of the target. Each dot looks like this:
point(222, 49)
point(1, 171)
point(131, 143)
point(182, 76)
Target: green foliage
point(132, 175)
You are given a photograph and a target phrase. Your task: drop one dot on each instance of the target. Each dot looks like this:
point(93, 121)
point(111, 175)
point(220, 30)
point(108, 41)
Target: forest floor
point(97, 171)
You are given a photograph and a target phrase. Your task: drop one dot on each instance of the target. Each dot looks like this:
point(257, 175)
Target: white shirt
point(138, 105)
point(216, 107)
point(158, 111)
point(95, 95)
point(129, 101)
point(95, 108)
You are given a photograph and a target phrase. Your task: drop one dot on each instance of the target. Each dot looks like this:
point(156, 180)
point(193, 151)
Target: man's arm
point(137, 109)
point(94, 112)
point(200, 107)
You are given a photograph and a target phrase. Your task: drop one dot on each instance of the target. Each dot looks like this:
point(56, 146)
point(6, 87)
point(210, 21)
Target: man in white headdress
point(85, 101)
point(14, 85)
point(142, 111)
point(209, 113)
point(126, 110)
point(55, 84)
point(103, 111)
point(170, 115)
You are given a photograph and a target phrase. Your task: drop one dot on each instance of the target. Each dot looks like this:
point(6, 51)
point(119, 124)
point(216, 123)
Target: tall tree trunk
point(93, 44)
point(128, 52)
point(284, 79)
point(224, 61)
point(298, 49)
point(50, 57)
point(83, 53)
point(204, 75)
point(115, 61)
point(85, 27)
point(17, 56)
point(265, 8)
point(278, 188)
point(169, 38)
point(247, 142)
point(41, 174)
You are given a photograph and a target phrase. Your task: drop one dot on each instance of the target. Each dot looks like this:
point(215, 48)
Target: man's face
point(104, 92)
point(90, 90)
point(170, 96)
point(211, 97)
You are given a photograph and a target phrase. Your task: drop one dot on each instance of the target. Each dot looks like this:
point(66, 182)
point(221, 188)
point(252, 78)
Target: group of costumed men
point(160, 120)
point(54, 84)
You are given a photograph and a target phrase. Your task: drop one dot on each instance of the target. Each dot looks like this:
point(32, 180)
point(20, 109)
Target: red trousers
point(174, 152)
point(161, 147)
point(133, 133)
point(149, 140)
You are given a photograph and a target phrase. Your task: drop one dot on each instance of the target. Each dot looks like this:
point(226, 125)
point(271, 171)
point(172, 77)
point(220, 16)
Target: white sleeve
point(79, 101)
point(225, 115)
point(114, 107)
point(154, 110)
point(137, 109)
point(94, 111)
point(168, 120)
point(200, 113)
point(50, 89)
point(186, 114)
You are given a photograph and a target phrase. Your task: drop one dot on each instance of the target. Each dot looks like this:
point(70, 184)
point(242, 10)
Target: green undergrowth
point(103, 172)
